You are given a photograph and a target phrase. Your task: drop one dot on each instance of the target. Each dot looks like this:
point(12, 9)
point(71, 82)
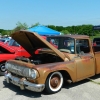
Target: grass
point(97, 35)
point(94, 81)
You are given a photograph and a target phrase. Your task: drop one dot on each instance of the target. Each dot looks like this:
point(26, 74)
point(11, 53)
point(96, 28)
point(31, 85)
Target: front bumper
point(23, 83)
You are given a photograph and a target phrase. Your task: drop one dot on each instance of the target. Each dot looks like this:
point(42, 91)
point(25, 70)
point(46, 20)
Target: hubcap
point(55, 81)
point(3, 68)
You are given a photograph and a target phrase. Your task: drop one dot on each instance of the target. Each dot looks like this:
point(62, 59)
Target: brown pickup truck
point(73, 60)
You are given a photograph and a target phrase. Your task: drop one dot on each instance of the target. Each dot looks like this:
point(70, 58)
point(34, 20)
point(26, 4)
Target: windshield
point(63, 43)
point(2, 40)
point(13, 43)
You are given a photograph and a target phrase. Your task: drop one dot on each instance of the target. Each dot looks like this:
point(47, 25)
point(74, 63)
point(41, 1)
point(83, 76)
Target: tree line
point(79, 29)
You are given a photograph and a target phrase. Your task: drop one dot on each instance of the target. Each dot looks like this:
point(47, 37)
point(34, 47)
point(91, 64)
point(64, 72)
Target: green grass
point(91, 80)
point(97, 35)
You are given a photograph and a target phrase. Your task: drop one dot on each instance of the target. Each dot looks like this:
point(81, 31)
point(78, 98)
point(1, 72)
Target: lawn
point(91, 37)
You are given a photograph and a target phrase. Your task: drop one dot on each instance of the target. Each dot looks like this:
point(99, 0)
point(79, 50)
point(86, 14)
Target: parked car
point(96, 41)
point(11, 50)
point(5, 40)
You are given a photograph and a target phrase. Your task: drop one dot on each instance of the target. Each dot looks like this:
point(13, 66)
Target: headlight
point(6, 65)
point(32, 73)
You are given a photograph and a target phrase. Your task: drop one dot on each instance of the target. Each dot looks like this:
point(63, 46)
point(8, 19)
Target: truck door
point(84, 59)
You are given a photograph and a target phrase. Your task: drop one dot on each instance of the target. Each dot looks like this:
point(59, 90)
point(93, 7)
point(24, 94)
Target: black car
point(96, 44)
point(96, 41)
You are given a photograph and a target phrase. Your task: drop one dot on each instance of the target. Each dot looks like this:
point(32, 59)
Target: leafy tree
point(1, 30)
point(6, 32)
point(86, 30)
point(80, 29)
point(65, 32)
point(52, 27)
point(20, 26)
point(69, 28)
point(59, 28)
point(33, 25)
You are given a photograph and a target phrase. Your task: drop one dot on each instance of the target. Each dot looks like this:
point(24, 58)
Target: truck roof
point(72, 36)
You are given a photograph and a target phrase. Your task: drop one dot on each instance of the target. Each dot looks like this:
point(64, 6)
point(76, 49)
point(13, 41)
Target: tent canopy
point(43, 30)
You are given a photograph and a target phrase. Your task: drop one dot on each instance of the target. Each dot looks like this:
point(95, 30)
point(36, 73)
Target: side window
point(82, 46)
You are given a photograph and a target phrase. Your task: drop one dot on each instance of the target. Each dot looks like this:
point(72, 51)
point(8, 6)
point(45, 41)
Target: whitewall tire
point(54, 82)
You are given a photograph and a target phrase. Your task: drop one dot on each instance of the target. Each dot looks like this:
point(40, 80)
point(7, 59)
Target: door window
point(82, 46)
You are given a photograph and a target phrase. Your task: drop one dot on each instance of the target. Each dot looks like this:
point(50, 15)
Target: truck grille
point(17, 69)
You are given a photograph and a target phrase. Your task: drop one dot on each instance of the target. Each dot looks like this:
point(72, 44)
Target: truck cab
point(79, 49)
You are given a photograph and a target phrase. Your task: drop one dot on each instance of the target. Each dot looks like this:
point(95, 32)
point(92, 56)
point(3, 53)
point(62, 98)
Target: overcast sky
point(49, 12)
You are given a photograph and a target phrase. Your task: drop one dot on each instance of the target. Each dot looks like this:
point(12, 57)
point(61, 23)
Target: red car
point(10, 51)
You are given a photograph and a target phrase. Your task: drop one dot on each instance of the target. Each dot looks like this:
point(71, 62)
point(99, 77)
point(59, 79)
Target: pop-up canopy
point(43, 30)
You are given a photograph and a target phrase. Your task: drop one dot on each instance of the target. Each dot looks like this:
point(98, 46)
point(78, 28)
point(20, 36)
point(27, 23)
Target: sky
point(49, 12)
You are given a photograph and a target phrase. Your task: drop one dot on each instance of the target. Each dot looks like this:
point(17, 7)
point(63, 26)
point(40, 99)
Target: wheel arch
point(2, 61)
point(65, 74)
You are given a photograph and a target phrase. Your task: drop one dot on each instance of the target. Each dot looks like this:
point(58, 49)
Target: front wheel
point(54, 82)
point(2, 67)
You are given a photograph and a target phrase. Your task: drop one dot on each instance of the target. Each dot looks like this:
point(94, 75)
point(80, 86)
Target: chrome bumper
point(23, 83)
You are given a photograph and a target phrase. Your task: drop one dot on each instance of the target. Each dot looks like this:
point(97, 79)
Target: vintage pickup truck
point(10, 50)
point(73, 60)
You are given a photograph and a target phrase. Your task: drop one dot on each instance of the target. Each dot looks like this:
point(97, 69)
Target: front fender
point(5, 57)
point(46, 69)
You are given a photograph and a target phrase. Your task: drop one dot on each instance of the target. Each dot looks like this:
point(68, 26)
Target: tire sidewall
point(48, 88)
point(1, 65)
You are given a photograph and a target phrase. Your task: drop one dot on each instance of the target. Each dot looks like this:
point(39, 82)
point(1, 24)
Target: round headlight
point(33, 73)
point(6, 65)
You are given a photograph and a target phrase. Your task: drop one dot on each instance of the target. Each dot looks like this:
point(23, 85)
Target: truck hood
point(31, 41)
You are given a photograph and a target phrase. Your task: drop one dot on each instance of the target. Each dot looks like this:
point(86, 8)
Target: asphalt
point(88, 89)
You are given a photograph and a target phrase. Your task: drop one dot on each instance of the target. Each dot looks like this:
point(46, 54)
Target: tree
point(6, 32)
point(59, 28)
point(86, 30)
point(33, 25)
point(1, 30)
point(52, 27)
point(20, 26)
point(69, 28)
point(65, 32)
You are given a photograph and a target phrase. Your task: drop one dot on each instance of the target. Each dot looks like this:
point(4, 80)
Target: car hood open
point(31, 41)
